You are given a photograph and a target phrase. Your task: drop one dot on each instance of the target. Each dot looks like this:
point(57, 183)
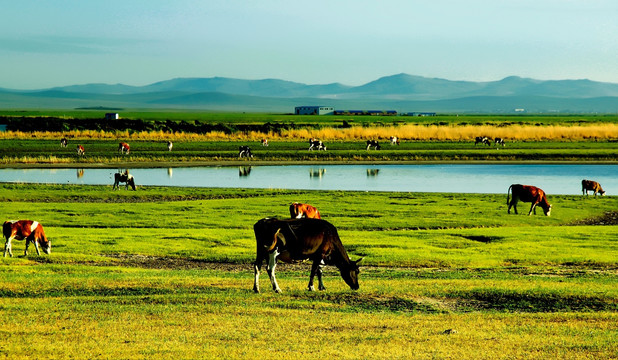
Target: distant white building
point(112, 116)
point(314, 110)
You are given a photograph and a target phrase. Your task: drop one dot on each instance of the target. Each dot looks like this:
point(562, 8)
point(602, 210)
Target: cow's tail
point(507, 194)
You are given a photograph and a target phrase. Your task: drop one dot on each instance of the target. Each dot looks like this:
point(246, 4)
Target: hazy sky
point(45, 43)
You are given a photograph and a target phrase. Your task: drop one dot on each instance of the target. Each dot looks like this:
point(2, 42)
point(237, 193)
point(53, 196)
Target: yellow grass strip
point(601, 131)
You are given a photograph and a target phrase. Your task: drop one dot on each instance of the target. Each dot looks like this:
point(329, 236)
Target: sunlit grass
point(166, 273)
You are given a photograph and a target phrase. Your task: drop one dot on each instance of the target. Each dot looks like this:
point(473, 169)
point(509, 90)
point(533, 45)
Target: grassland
point(165, 272)
point(36, 152)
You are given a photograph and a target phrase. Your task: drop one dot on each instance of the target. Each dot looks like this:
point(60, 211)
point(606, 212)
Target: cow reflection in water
point(292, 240)
point(244, 171)
point(313, 173)
point(80, 173)
point(372, 172)
point(170, 172)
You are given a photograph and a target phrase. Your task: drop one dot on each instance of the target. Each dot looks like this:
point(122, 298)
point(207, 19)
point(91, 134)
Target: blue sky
point(46, 43)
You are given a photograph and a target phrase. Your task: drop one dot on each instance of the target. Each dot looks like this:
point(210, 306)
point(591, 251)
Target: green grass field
point(166, 273)
point(35, 151)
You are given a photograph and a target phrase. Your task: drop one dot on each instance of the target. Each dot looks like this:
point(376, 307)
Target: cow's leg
point(513, 204)
point(272, 263)
point(256, 273)
point(316, 269)
point(8, 245)
point(532, 209)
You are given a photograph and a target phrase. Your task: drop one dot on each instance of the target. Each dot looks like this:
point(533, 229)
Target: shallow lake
point(554, 179)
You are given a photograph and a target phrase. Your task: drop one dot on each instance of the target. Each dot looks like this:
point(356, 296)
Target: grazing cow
point(170, 145)
point(264, 142)
point(394, 140)
point(80, 150)
point(482, 140)
point(244, 151)
point(123, 148)
point(590, 185)
point(315, 144)
point(374, 144)
point(64, 142)
point(300, 239)
point(30, 230)
point(499, 141)
point(527, 193)
point(124, 177)
point(298, 210)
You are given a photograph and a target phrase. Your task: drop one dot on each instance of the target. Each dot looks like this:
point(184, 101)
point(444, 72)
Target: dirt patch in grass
point(608, 218)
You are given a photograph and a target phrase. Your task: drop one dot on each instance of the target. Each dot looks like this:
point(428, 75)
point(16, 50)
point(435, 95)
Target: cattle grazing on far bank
point(80, 150)
point(124, 177)
point(590, 185)
point(170, 145)
point(499, 141)
point(394, 140)
point(264, 142)
point(244, 151)
point(64, 142)
point(527, 193)
point(373, 144)
point(30, 230)
point(294, 240)
point(124, 148)
point(315, 144)
point(299, 210)
point(482, 140)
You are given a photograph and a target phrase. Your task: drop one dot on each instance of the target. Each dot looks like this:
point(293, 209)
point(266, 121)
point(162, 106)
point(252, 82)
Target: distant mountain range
point(402, 92)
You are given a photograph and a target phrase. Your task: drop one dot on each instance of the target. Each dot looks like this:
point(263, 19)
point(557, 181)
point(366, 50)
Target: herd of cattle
point(304, 236)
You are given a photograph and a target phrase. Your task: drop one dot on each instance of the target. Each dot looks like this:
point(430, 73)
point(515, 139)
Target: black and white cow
point(244, 151)
point(315, 144)
point(482, 140)
point(373, 144)
point(124, 177)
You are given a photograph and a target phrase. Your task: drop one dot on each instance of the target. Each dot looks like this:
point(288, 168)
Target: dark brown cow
point(30, 230)
point(298, 210)
point(123, 148)
point(590, 185)
point(527, 193)
point(292, 240)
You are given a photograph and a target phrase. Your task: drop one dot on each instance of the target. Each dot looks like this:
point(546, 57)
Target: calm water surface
point(554, 179)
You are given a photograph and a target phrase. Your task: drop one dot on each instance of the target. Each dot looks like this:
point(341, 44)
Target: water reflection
point(553, 179)
point(316, 173)
point(244, 171)
point(170, 172)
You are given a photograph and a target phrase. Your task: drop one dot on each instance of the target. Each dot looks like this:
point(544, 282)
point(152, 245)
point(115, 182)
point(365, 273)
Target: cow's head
point(45, 245)
point(349, 273)
point(546, 209)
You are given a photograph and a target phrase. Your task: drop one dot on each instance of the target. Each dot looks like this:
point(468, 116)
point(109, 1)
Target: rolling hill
point(401, 92)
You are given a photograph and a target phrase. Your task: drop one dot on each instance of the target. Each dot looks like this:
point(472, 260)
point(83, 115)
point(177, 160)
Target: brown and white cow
point(527, 193)
point(299, 210)
point(80, 150)
point(30, 230)
point(123, 148)
point(590, 185)
point(294, 240)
